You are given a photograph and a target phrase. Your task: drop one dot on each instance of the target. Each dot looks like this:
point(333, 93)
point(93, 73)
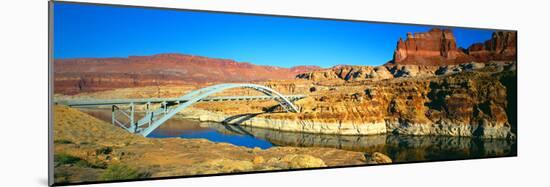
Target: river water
point(401, 148)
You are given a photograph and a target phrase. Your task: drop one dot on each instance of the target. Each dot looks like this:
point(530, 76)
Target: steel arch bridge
point(169, 107)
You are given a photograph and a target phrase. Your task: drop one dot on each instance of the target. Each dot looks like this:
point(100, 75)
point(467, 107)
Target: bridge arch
point(197, 95)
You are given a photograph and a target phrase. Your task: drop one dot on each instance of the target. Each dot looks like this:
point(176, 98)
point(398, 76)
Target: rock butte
point(438, 47)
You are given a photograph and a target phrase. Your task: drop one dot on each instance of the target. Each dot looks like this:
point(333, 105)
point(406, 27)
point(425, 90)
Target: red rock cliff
point(501, 46)
point(438, 47)
point(435, 47)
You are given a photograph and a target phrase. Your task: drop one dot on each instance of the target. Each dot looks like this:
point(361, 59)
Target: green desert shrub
point(63, 159)
point(120, 172)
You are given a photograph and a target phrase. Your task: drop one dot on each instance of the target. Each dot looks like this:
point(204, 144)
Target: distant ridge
point(77, 75)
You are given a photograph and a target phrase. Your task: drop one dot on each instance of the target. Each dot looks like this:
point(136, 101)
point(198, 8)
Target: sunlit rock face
point(468, 102)
point(435, 47)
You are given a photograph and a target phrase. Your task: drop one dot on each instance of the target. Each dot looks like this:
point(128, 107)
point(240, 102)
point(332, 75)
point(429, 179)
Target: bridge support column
point(163, 105)
point(132, 112)
point(147, 111)
point(113, 114)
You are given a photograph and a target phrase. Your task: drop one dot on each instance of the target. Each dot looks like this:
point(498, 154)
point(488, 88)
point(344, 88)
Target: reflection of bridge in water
point(169, 107)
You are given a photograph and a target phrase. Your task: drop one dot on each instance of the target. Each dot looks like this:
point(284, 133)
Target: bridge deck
point(95, 102)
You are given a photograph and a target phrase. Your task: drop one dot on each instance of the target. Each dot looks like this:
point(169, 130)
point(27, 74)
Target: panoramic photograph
point(147, 93)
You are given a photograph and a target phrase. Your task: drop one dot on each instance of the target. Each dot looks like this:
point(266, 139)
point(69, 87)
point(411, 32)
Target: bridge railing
point(106, 102)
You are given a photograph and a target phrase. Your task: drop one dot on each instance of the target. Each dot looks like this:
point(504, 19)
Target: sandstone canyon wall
point(475, 104)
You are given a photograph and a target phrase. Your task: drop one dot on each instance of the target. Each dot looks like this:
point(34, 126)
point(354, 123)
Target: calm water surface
point(400, 148)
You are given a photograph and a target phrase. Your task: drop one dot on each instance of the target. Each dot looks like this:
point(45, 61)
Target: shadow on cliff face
point(509, 80)
point(437, 97)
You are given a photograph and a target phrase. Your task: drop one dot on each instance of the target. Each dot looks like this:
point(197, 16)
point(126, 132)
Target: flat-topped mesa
point(501, 47)
point(435, 47)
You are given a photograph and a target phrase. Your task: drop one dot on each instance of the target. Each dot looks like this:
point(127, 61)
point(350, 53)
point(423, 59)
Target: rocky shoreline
point(401, 148)
point(386, 127)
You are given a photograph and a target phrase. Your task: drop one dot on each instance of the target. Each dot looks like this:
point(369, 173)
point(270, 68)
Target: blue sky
point(84, 30)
